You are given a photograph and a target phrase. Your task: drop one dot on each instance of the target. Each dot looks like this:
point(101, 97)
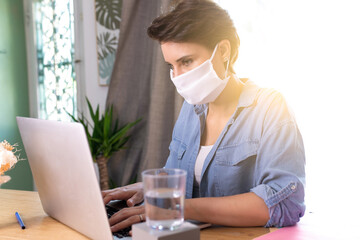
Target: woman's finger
point(126, 218)
point(126, 223)
point(124, 193)
point(117, 194)
point(125, 213)
point(135, 199)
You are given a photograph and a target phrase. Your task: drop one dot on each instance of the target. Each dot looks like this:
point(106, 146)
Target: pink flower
point(7, 160)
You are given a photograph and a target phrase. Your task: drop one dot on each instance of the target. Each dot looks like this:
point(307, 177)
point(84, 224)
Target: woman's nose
point(176, 72)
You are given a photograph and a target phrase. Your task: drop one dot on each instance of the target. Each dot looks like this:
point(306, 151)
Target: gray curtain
point(140, 87)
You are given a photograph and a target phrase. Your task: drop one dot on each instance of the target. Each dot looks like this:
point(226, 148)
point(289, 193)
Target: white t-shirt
point(203, 152)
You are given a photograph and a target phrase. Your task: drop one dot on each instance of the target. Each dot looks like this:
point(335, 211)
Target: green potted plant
point(105, 139)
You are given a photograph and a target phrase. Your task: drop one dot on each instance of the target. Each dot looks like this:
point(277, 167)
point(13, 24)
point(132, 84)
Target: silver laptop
point(63, 170)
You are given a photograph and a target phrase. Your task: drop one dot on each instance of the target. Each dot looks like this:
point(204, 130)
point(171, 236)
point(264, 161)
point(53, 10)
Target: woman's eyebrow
point(184, 57)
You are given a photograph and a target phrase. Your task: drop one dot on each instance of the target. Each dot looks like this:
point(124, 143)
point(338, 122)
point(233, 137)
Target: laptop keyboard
point(123, 232)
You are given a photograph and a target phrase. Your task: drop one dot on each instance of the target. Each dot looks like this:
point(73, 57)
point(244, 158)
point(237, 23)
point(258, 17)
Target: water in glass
point(164, 208)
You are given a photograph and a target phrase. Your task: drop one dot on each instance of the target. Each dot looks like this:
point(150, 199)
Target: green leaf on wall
point(107, 44)
point(108, 13)
point(106, 66)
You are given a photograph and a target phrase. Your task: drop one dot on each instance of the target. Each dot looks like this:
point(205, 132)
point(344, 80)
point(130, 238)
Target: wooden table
point(40, 226)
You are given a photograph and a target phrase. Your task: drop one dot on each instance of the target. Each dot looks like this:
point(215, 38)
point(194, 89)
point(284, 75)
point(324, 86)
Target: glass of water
point(164, 191)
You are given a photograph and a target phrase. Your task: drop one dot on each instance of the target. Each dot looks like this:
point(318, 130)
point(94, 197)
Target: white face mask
point(201, 84)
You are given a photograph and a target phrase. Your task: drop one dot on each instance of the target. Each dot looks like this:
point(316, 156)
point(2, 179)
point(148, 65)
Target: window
point(50, 24)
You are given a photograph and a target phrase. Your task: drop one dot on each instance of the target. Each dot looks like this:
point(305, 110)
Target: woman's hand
point(127, 217)
point(131, 215)
point(133, 194)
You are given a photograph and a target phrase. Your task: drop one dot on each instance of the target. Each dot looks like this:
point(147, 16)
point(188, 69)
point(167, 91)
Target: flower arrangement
point(8, 159)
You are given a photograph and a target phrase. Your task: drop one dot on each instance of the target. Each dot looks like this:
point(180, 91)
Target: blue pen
point(22, 225)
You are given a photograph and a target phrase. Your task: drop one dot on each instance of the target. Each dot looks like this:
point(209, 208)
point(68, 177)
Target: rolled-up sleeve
point(281, 168)
point(285, 206)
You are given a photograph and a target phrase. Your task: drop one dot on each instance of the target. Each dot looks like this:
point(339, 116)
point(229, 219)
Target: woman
point(239, 143)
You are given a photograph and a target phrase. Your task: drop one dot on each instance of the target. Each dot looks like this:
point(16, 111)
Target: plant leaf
point(116, 137)
point(106, 138)
point(107, 124)
point(72, 117)
point(92, 115)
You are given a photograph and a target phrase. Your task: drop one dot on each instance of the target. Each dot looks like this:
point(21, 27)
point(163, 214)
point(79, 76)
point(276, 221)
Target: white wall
point(309, 51)
point(86, 52)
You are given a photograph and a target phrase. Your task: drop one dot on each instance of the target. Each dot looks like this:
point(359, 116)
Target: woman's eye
point(187, 62)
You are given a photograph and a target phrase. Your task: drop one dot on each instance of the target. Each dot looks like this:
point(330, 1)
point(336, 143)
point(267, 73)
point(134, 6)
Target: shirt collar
point(200, 108)
point(248, 94)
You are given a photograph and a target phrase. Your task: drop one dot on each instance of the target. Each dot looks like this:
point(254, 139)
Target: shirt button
point(293, 187)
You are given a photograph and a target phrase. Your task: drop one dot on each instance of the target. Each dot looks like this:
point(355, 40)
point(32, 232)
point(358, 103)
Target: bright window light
point(309, 50)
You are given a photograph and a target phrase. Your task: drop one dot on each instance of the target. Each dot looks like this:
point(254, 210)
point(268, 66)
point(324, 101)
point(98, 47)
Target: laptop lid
point(63, 170)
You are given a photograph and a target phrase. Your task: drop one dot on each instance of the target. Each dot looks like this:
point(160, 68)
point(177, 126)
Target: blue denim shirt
point(260, 150)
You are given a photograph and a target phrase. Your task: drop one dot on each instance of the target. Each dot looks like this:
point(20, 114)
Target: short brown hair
point(199, 21)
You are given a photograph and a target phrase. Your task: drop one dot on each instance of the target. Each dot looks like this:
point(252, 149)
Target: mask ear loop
point(228, 61)
point(227, 67)
point(213, 54)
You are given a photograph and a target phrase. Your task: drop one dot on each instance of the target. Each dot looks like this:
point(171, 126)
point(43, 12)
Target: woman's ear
point(225, 49)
